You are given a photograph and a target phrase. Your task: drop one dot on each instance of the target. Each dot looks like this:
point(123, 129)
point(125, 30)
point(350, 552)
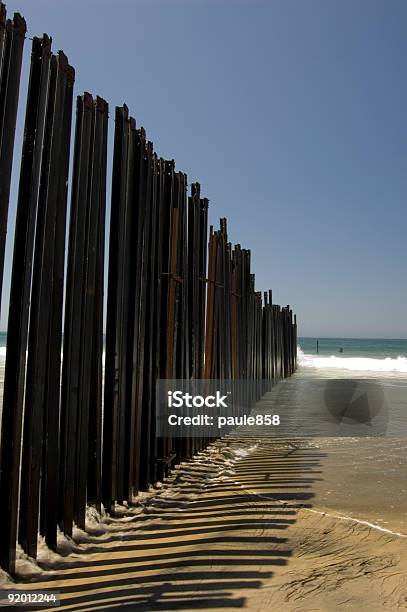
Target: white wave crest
point(360, 364)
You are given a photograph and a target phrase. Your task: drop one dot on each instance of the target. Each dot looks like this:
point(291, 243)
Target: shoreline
point(241, 525)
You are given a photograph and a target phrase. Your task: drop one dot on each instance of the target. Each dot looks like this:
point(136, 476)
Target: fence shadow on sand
point(204, 542)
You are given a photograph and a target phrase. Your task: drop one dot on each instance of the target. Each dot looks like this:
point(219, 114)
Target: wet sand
point(245, 525)
point(260, 524)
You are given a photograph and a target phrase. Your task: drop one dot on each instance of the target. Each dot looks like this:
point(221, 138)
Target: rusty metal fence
point(78, 419)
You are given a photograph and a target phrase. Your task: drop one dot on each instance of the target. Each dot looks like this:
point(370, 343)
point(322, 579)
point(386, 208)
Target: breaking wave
point(360, 364)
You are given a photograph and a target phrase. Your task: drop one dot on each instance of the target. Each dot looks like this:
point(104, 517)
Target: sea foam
point(360, 364)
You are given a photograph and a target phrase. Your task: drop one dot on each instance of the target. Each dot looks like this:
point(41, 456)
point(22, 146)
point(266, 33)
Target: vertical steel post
point(12, 35)
point(71, 366)
point(94, 485)
point(50, 463)
point(49, 205)
point(95, 205)
point(17, 330)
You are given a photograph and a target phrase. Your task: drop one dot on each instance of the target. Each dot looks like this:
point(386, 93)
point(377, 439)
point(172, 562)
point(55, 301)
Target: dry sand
point(253, 524)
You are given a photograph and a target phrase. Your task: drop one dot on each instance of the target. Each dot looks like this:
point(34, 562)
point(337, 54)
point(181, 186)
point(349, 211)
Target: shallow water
point(363, 473)
point(366, 479)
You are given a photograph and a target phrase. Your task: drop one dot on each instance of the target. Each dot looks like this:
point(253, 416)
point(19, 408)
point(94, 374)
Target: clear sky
point(290, 113)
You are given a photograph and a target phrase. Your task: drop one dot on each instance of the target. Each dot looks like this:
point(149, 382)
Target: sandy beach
point(294, 523)
point(254, 524)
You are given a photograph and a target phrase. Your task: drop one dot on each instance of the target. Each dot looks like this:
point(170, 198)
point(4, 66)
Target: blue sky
point(290, 113)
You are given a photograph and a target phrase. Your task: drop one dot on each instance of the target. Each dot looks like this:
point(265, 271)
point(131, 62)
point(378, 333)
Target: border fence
point(78, 419)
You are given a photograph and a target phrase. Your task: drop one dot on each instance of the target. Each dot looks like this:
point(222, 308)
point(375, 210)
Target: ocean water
point(358, 354)
point(385, 355)
point(354, 347)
